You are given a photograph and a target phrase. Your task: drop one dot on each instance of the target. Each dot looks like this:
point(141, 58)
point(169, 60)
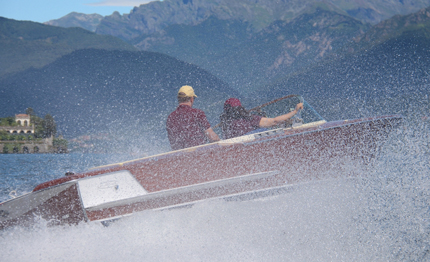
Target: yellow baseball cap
point(187, 90)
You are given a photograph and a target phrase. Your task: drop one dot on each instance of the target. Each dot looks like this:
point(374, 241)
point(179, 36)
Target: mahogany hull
point(256, 162)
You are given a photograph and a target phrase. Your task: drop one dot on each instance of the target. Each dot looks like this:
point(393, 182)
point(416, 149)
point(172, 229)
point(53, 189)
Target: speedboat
point(301, 150)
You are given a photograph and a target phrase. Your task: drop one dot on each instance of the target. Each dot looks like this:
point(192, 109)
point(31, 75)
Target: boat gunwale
point(287, 132)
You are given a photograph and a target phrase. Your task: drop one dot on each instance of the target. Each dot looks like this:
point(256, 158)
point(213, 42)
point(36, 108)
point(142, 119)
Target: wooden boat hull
point(246, 164)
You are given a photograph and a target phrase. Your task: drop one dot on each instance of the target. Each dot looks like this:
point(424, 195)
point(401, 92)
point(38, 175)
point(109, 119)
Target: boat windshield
point(285, 105)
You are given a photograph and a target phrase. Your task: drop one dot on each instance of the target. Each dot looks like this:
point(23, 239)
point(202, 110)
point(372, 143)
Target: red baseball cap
point(233, 102)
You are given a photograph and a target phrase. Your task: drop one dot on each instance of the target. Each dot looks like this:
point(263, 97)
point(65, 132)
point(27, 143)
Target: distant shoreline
point(44, 146)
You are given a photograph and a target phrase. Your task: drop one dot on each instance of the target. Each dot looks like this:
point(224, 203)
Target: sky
point(45, 10)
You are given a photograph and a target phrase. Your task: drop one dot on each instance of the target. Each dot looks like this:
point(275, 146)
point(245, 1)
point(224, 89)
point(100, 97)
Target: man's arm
point(213, 137)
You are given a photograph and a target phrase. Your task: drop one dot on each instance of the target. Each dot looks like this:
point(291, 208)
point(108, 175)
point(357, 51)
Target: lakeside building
point(24, 127)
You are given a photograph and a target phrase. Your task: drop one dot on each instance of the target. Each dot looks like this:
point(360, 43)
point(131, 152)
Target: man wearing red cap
point(236, 121)
point(187, 126)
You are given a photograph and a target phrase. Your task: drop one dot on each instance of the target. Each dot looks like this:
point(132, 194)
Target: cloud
point(121, 2)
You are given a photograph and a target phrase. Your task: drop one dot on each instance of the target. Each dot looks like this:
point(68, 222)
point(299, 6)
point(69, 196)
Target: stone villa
point(24, 127)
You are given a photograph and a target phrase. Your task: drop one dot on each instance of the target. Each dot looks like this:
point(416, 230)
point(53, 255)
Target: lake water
point(383, 215)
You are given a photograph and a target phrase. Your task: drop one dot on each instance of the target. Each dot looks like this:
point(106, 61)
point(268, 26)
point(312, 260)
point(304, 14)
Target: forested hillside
point(25, 44)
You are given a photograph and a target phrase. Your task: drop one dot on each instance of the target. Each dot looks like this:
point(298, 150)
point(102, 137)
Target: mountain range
point(245, 61)
point(249, 43)
point(343, 66)
point(155, 16)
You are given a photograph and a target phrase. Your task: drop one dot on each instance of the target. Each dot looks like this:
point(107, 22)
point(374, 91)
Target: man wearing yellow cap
point(187, 126)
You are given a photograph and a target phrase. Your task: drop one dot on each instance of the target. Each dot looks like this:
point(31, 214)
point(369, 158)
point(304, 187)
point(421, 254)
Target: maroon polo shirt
point(239, 127)
point(186, 127)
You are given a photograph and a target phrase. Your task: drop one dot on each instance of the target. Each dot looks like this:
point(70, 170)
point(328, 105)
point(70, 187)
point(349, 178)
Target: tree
point(39, 130)
point(8, 121)
point(4, 135)
point(29, 111)
point(49, 126)
point(60, 145)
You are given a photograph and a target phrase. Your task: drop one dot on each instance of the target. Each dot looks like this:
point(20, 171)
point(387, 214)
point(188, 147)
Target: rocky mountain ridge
point(250, 43)
point(155, 16)
point(74, 19)
point(224, 48)
point(392, 28)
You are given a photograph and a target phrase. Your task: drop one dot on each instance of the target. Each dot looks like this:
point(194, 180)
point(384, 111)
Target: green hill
point(25, 44)
point(123, 93)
